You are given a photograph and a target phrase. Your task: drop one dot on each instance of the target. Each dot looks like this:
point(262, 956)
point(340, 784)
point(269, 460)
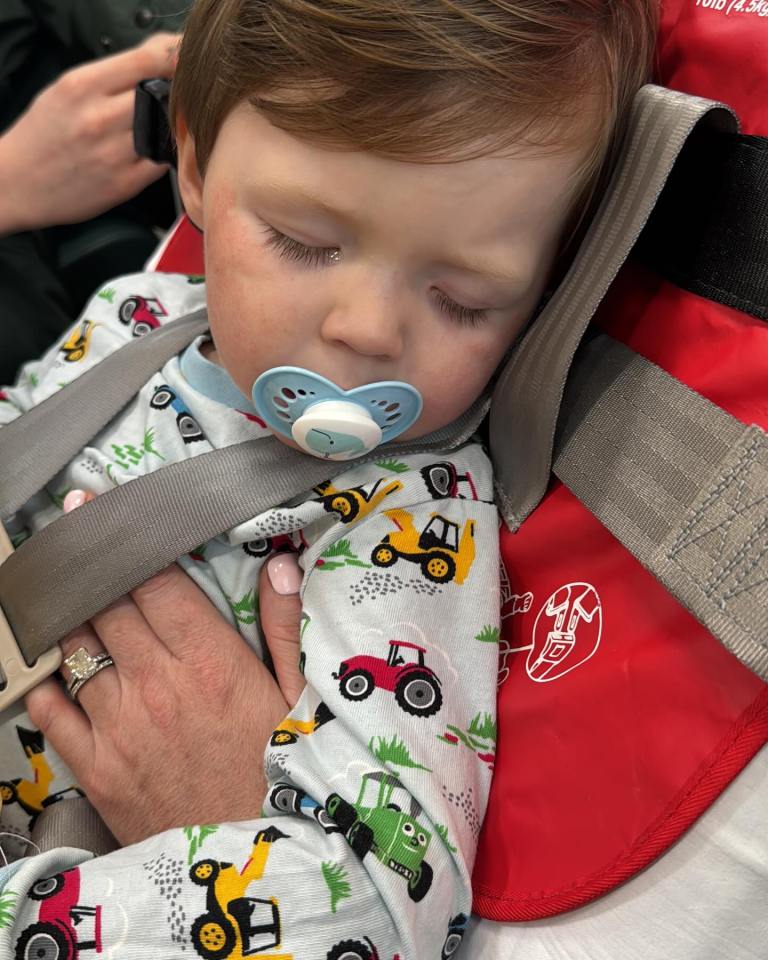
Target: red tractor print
point(416, 687)
point(142, 314)
point(265, 545)
point(64, 927)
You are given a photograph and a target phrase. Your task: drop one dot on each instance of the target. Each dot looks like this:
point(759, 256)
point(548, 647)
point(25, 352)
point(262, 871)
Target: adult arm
point(70, 156)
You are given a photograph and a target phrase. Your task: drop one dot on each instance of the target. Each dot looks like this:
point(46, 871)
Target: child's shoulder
point(136, 304)
point(119, 311)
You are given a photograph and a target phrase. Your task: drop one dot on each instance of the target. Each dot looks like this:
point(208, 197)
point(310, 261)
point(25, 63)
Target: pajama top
point(377, 779)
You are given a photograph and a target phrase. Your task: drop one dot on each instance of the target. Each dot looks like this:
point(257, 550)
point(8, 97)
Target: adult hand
point(175, 732)
point(280, 612)
point(70, 156)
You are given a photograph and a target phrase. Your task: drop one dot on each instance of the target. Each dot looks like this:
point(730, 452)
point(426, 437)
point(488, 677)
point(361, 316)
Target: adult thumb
point(280, 612)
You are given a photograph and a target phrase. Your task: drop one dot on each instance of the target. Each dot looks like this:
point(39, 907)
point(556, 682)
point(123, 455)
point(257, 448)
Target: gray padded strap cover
point(527, 397)
point(681, 483)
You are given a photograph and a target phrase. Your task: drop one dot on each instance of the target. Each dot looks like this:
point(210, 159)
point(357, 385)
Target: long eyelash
point(293, 250)
point(465, 315)
point(299, 252)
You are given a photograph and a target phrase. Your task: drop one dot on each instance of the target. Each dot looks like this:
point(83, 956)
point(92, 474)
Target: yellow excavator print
point(75, 347)
point(288, 730)
point(356, 502)
point(235, 926)
point(442, 552)
point(32, 795)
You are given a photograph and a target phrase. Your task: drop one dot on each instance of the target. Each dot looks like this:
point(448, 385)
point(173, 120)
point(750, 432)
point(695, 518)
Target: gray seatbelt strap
point(679, 482)
point(71, 417)
point(527, 396)
point(72, 822)
point(76, 566)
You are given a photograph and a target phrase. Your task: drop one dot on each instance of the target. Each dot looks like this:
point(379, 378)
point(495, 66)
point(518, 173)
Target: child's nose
point(372, 326)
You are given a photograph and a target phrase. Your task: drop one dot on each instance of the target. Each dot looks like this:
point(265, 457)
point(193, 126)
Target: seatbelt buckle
point(18, 678)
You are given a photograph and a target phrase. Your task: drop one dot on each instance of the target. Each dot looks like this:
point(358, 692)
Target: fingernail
point(284, 573)
point(74, 499)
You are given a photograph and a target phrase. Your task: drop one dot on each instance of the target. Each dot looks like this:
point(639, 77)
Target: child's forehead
point(520, 183)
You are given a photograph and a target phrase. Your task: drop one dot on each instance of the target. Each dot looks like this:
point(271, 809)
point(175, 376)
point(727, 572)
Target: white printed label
point(566, 633)
point(757, 8)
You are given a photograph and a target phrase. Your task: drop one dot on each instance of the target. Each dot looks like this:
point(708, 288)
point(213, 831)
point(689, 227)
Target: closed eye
point(291, 249)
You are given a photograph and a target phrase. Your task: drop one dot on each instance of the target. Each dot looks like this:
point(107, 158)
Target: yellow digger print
point(75, 347)
point(33, 795)
point(235, 926)
point(443, 552)
point(287, 732)
point(356, 502)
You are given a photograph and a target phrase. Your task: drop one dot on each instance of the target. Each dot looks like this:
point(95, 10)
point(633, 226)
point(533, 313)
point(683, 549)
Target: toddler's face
point(394, 271)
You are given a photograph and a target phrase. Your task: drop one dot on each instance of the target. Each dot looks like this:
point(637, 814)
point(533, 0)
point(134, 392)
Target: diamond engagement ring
point(82, 666)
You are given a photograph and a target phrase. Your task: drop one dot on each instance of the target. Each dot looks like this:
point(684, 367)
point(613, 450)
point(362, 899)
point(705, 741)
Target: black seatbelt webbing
point(709, 231)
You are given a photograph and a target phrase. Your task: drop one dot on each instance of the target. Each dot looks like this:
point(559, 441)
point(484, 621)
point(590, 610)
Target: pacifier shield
point(329, 422)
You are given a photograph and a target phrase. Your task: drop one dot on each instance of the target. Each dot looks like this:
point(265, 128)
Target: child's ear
point(190, 180)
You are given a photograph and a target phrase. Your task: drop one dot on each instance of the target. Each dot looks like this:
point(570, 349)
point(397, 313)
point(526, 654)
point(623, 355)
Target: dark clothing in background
point(46, 276)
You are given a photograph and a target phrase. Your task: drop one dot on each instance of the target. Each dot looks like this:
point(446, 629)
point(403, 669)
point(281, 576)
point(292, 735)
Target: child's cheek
point(456, 377)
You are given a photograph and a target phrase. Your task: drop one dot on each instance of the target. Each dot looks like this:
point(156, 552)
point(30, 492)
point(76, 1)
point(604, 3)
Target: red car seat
point(621, 718)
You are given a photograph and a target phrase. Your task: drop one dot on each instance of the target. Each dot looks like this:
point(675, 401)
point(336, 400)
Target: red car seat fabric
point(621, 719)
point(181, 251)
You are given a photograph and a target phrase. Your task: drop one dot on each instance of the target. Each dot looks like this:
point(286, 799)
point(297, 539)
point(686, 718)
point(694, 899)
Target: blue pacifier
point(329, 422)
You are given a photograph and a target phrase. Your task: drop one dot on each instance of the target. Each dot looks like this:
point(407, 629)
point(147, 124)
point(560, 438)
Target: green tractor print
point(384, 821)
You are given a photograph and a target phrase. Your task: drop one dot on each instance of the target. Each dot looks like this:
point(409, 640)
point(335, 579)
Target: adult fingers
point(63, 724)
point(183, 617)
point(140, 173)
point(119, 111)
point(99, 700)
point(155, 57)
point(163, 48)
point(125, 634)
point(75, 499)
point(280, 612)
point(98, 694)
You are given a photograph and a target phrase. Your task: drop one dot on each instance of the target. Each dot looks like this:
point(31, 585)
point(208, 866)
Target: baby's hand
point(76, 498)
